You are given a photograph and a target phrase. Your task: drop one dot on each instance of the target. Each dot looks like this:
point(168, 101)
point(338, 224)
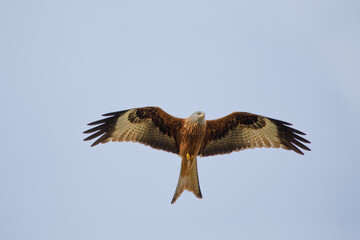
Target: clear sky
point(64, 63)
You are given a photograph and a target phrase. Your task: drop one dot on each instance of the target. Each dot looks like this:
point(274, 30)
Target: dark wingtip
point(119, 113)
point(290, 137)
point(92, 145)
point(86, 139)
point(104, 128)
point(87, 131)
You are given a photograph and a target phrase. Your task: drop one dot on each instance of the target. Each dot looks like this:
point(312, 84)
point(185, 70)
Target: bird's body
point(191, 138)
point(195, 136)
point(192, 134)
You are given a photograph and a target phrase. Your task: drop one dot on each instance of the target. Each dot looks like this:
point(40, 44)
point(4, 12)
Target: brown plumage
point(195, 136)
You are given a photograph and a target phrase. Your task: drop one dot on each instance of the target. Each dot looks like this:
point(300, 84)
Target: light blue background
point(64, 63)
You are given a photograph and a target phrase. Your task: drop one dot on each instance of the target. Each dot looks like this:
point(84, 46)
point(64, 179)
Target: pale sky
point(64, 63)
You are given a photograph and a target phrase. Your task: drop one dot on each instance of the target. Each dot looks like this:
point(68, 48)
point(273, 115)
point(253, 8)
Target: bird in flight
point(195, 136)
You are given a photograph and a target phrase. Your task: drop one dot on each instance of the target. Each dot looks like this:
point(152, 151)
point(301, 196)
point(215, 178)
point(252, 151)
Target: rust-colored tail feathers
point(188, 179)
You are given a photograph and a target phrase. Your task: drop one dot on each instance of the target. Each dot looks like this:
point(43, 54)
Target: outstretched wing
point(149, 125)
point(238, 131)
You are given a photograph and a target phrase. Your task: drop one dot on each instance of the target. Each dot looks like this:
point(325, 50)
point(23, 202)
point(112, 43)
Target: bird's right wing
point(149, 125)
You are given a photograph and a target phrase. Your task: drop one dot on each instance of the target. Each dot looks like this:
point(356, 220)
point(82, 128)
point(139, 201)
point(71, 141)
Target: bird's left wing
point(149, 125)
point(240, 130)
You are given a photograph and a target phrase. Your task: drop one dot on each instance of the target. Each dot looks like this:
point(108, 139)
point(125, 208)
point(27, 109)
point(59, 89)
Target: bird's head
point(198, 117)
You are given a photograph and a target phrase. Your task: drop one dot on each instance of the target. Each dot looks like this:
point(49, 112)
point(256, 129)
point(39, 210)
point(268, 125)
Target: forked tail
point(188, 179)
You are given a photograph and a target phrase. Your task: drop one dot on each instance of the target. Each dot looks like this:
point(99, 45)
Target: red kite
point(195, 136)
